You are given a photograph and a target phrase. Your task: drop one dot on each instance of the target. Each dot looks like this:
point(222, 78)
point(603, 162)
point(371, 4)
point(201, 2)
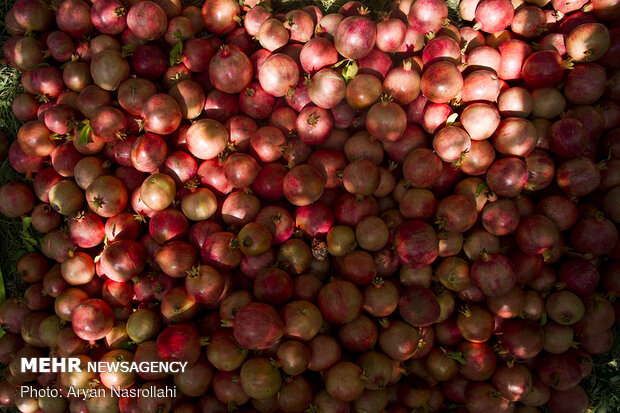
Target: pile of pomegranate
point(325, 213)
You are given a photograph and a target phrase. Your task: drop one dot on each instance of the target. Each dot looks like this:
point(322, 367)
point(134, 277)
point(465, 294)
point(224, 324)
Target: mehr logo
point(73, 364)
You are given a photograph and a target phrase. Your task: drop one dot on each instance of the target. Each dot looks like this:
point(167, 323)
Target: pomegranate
point(92, 319)
point(426, 16)
point(441, 82)
point(257, 326)
point(355, 37)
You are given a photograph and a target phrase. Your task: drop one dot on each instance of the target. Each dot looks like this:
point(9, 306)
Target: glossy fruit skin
point(107, 18)
point(588, 42)
point(230, 70)
point(179, 342)
point(106, 196)
point(219, 16)
point(386, 121)
point(441, 82)
point(494, 15)
point(34, 139)
point(303, 185)
point(92, 319)
point(543, 69)
point(161, 114)
point(426, 15)
point(206, 138)
point(507, 176)
point(122, 260)
point(278, 74)
point(480, 366)
point(355, 37)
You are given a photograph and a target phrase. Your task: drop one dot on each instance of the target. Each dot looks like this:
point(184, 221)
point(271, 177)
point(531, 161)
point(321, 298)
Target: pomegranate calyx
point(193, 272)
point(383, 15)
point(384, 322)
point(274, 363)
point(141, 124)
point(441, 223)
point(288, 23)
point(465, 311)
point(457, 164)
point(319, 250)
point(386, 98)
point(139, 218)
point(192, 184)
point(542, 28)
point(547, 255)
point(97, 203)
point(312, 409)
point(313, 119)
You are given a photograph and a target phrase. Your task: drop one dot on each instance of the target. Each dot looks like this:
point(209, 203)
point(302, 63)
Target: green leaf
point(18, 254)
point(65, 64)
point(128, 345)
point(29, 247)
point(42, 64)
point(457, 356)
point(2, 296)
point(176, 53)
point(350, 70)
point(26, 223)
point(84, 134)
point(128, 50)
point(481, 188)
point(177, 34)
point(30, 241)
